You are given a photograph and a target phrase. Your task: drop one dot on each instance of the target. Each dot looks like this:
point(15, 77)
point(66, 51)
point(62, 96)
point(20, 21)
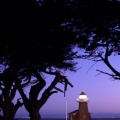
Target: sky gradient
point(103, 92)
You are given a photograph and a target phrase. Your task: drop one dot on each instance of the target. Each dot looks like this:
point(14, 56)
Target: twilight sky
point(103, 92)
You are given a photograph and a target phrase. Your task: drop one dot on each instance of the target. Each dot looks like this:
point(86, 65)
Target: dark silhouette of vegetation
point(38, 37)
point(101, 34)
point(30, 46)
point(8, 91)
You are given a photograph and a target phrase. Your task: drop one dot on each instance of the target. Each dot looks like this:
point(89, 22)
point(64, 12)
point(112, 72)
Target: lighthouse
point(82, 113)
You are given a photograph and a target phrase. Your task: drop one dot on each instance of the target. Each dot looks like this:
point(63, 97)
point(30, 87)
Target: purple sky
point(103, 92)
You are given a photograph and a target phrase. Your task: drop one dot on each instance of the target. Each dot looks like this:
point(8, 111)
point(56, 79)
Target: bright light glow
point(83, 98)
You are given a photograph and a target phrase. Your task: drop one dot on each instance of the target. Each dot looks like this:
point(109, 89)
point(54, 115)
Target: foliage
point(29, 36)
point(32, 42)
point(101, 33)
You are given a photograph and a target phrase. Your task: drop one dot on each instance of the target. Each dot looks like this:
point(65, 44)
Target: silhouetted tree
point(33, 103)
point(101, 33)
point(8, 92)
point(31, 44)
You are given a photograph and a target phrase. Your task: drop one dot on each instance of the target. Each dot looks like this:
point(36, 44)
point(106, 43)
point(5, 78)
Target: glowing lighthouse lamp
point(82, 97)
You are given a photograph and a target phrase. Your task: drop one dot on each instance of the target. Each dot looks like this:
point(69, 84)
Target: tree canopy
point(101, 31)
point(34, 42)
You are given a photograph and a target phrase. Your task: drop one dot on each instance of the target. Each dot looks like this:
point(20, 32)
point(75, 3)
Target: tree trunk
point(8, 111)
point(34, 114)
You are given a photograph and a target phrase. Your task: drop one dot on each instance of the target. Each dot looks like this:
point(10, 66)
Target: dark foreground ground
point(65, 119)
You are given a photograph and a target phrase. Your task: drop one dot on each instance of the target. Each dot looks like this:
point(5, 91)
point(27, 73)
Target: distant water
point(65, 119)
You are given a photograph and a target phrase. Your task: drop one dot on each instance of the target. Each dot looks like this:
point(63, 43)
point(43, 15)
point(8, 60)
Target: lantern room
point(82, 97)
